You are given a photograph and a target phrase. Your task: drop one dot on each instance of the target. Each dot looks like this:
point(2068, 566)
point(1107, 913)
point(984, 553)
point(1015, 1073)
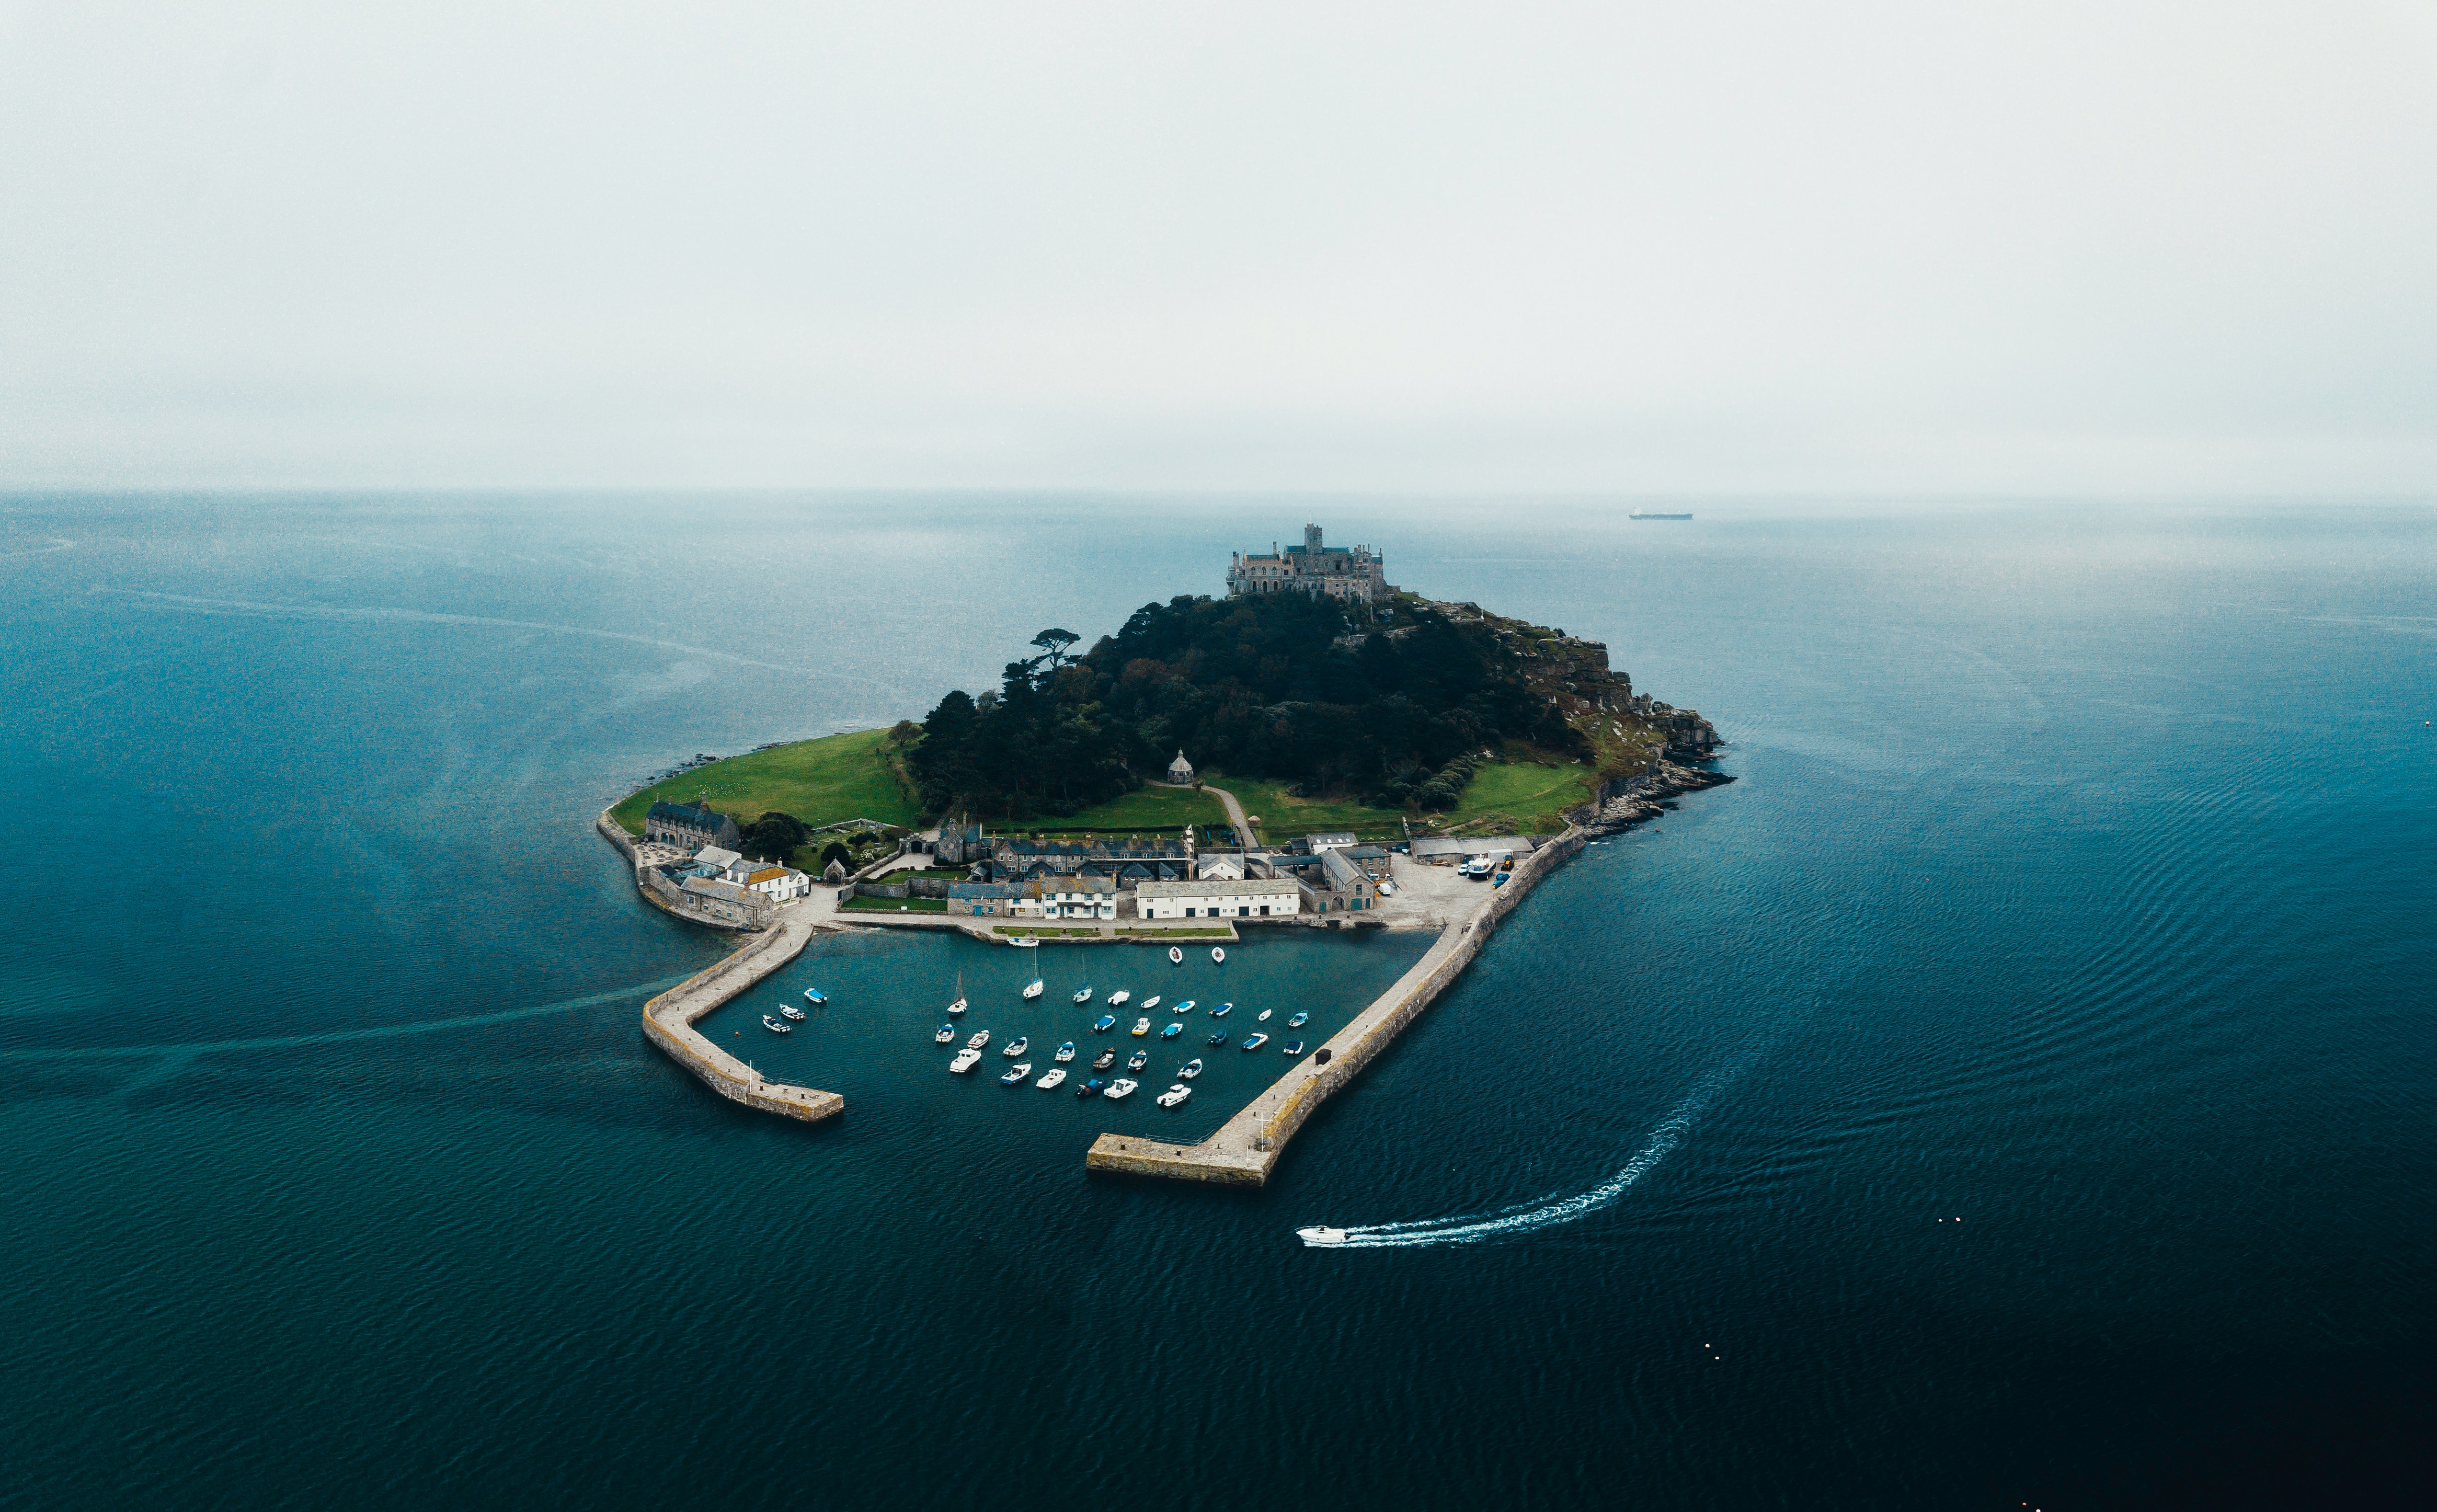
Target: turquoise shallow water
point(2023, 1071)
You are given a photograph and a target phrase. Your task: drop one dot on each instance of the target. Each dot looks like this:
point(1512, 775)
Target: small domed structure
point(1180, 771)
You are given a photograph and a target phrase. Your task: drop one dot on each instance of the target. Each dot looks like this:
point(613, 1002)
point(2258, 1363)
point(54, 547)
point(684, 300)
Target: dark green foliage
point(835, 851)
point(1257, 686)
point(772, 834)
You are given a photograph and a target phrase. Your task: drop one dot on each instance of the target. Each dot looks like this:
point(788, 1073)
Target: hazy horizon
point(1588, 252)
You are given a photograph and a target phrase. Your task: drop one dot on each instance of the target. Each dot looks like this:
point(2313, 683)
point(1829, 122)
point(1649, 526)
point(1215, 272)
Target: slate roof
point(687, 813)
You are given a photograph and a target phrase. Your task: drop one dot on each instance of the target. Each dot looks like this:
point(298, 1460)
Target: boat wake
point(1526, 1218)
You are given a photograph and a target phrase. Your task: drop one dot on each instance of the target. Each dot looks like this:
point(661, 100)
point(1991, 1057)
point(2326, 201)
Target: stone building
point(959, 844)
point(1162, 860)
point(1355, 573)
point(688, 826)
point(1247, 899)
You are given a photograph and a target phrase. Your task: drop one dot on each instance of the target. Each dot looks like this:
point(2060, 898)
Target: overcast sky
point(2109, 248)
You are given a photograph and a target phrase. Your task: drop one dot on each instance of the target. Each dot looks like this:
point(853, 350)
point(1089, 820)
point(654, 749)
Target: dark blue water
point(2023, 1071)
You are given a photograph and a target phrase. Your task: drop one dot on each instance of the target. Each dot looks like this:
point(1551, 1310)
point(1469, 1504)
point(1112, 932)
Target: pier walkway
point(1247, 1147)
point(669, 1020)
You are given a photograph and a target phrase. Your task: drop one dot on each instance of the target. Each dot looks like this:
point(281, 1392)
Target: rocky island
point(1316, 749)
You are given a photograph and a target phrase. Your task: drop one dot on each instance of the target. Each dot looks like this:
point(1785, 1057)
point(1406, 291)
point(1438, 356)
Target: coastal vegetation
point(816, 782)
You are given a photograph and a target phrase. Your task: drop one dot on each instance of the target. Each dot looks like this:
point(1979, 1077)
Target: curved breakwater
point(669, 1020)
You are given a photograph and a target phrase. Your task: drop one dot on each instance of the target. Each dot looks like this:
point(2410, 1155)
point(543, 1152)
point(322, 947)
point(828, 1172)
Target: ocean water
point(2016, 1088)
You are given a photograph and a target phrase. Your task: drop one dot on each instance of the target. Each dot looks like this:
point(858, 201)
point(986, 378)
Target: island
point(1314, 748)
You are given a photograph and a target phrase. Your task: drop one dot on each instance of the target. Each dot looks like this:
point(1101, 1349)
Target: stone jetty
point(669, 1020)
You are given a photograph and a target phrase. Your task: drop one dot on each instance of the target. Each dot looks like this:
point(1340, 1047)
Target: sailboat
point(1033, 991)
point(959, 1006)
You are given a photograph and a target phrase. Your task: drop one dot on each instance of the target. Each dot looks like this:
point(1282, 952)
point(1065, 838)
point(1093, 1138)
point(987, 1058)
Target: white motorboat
point(1026, 942)
point(1175, 1095)
point(1142, 1026)
point(978, 1041)
point(1083, 996)
point(1148, 1003)
point(947, 1034)
point(1218, 955)
point(1034, 991)
point(1065, 1052)
point(1176, 955)
point(1319, 1233)
point(791, 1010)
point(1120, 999)
point(1189, 1069)
point(775, 1027)
point(1017, 1074)
point(965, 1060)
point(1057, 1075)
point(1017, 1046)
point(1122, 1086)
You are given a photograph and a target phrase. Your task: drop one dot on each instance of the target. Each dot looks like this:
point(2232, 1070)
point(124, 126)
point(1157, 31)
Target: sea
point(2016, 1088)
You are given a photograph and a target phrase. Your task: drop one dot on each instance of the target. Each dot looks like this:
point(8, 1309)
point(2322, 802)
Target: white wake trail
point(1477, 1228)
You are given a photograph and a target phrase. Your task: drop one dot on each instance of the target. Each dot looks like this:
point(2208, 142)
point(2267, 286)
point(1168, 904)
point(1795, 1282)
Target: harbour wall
point(1247, 1147)
point(669, 1020)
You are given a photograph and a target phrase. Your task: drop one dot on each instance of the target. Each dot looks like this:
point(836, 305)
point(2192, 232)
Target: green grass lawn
point(820, 782)
point(897, 904)
point(1522, 795)
point(1146, 808)
point(1283, 818)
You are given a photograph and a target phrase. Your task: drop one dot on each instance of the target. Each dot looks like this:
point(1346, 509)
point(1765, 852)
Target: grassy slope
point(820, 782)
point(1517, 794)
point(1145, 808)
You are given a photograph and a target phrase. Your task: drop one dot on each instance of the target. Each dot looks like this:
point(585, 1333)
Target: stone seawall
point(669, 1020)
point(661, 894)
point(1247, 1147)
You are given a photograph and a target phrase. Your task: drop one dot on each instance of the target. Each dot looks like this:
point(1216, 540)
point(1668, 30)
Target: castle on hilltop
point(1354, 573)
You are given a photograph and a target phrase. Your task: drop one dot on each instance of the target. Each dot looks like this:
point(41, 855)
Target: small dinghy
point(1017, 1046)
point(947, 1034)
point(1222, 1011)
point(1253, 1042)
point(1104, 1023)
point(1033, 991)
point(1024, 942)
point(1186, 1007)
point(1105, 1060)
point(1175, 1095)
point(1148, 1003)
point(1171, 1031)
point(1142, 1026)
point(1218, 955)
point(1091, 1088)
point(1083, 996)
point(978, 1041)
point(1065, 1052)
point(815, 996)
point(1138, 1059)
point(1296, 1048)
point(1057, 1077)
point(1176, 955)
point(1298, 1021)
point(775, 1027)
point(1019, 1072)
point(1217, 1040)
point(965, 1061)
point(1264, 1018)
point(1190, 1069)
point(1122, 1086)
point(791, 1010)
point(1120, 997)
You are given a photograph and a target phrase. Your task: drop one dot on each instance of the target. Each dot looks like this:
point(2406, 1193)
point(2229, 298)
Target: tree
point(1053, 645)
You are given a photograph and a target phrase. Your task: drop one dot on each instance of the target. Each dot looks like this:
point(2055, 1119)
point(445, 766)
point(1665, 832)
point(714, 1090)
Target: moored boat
point(1171, 1031)
point(791, 1010)
point(1296, 1048)
point(1186, 1007)
point(1263, 1016)
point(1138, 1059)
point(775, 1027)
point(1175, 1095)
point(1176, 955)
point(1021, 1071)
point(1119, 998)
point(1216, 953)
point(947, 1033)
point(1033, 991)
point(965, 1060)
point(1253, 1042)
point(1065, 1052)
point(1017, 1046)
point(979, 1040)
point(1091, 1088)
point(816, 996)
point(1083, 996)
point(1120, 1087)
point(1142, 1026)
point(1104, 1023)
point(1217, 1040)
point(1298, 1021)
point(1190, 1069)
point(1148, 1003)
point(1056, 1076)
point(1222, 1011)
point(1024, 942)
point(1104, 1060)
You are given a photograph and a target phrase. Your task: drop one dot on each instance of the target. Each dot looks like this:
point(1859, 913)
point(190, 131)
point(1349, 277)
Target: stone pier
point(1246, 1147)
point(669, 1020)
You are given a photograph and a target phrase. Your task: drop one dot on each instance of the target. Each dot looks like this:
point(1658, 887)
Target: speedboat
point(1033, 991)
point(1148, 1003)
point(1253, 1042)
point(1190, 1069)
point(1024, 942)
point(1216, 954)
point(1021, 1071)
point(1171, 1031)
point(1175, 956)
point(978, 1041)
point(1222, 1011)
point(1119, 998)
point(1138, 1059)
point(1217, 1040)
point(1186, 1007)
point(1122, 1086)
point(1142, 1026)
point(1264, 1018)
point(1320, 1234)
point(1057, 1075)
point(1175, 1095)
point(1017, 1046)
point(1065, 1052)
point(791, 1010)
point(1296, 1048)
point(1104, 1023)
point(964, 1061)
point(947, 1034)
point(1298, 1021)
point(1083, 996)
point(815, 996)
point(1104, 1060)
point(775, 1027)
point(1091, 1088)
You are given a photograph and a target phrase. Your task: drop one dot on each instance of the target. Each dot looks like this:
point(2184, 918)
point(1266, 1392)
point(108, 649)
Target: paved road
point(1226, 801)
